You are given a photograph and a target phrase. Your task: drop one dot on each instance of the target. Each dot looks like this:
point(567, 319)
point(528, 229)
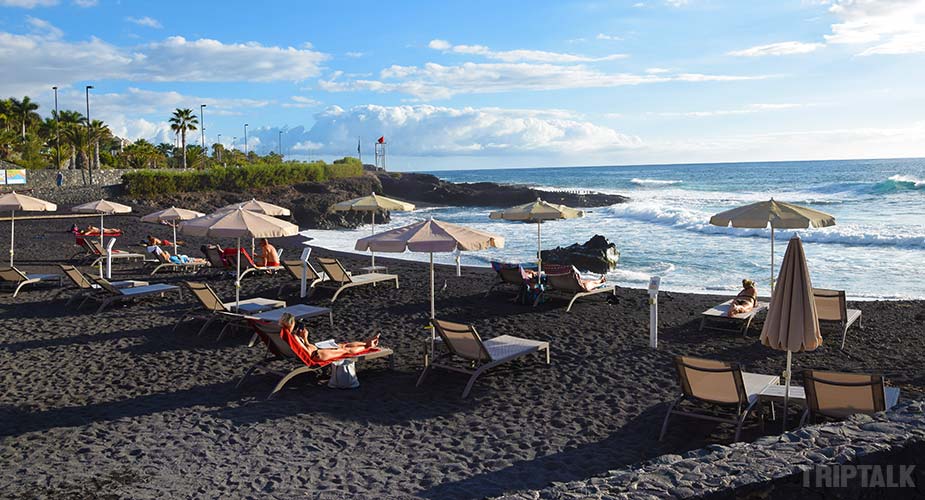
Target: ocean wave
point(699, 222)
point(898, 183)
point(653, 182)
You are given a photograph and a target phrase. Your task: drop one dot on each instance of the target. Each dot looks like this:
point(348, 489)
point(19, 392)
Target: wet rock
point(596, 255)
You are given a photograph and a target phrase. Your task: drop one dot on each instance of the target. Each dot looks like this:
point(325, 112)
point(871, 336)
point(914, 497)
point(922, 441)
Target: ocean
point(875, 251)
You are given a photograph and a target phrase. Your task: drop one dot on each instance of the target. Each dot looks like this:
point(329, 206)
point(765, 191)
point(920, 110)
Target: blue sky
point(491, 84)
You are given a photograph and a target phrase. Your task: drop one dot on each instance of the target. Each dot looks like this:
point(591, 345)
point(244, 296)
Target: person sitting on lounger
point(745, 301)
point(152, 241)
point(268, 255)
point(297, 338)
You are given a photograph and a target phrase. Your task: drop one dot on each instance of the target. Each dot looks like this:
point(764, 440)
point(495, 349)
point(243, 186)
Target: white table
point(257, 305)
point(300, 311)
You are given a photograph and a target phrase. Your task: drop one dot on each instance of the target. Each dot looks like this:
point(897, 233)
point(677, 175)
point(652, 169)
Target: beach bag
point(344, 375)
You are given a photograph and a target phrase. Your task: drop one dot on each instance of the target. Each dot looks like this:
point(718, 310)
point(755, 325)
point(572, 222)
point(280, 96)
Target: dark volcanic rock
point(429, 189)
point(597, 255)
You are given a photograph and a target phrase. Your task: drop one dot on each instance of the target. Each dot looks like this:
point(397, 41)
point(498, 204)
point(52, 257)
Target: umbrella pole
point(772, 261)
point(12, 234)
point(539, 252)
point(237, 278)
point(786, 392)
point(102, 246)
point(374, 233)
point(432, 332)
point(176, 251)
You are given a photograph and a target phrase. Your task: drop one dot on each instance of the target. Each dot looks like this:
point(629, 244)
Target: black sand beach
point(116, 405)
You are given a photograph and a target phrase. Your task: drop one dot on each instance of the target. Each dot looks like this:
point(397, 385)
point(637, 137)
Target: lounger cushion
point(146, 290)
point(508, 346)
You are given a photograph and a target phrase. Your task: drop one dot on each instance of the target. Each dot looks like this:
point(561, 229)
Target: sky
point(488, 84)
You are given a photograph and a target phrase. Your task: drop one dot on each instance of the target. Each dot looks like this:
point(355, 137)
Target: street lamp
point(202, 130)
point(245, 142)
point(57, 130)
point(219, 150)
point(89, 161)
point(279, 144)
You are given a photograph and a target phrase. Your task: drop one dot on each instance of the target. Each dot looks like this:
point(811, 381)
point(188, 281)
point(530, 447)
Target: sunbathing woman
point(745, 301)
point(307, 352)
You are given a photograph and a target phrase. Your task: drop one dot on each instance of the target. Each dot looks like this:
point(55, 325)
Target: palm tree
point(68, 119)
point(24, 111)
point(76, 136)
point(98, 131)
point(183, 120)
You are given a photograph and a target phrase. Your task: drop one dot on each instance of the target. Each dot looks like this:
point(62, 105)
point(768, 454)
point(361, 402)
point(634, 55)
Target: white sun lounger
point(715, 317)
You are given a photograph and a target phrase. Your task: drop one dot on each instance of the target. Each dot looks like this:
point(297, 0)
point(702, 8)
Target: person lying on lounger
point(176, 259)
point(297, 338)
point(91, 229)
point(745, 301)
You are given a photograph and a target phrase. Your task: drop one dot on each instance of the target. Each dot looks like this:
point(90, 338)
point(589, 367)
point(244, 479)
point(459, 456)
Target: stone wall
point(44, 179)
point(772, 467)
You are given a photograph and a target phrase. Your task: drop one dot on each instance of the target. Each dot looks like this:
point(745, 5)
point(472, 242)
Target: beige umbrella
point(260, 207)
point(17, 202)
point(172, 216)
point(238, 224)
point(778, 215)
point(430, 236)
point(372, 204)
point(102, 207)
point(537, 211)
point(792, 324)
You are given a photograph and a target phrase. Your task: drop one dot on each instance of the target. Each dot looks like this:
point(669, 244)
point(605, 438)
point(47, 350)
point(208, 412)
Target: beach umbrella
point(14, 202)
point(104, 208)
point(778, 215)
point(372, 204)
point(172, 216)
point(430, 236)
point(537, 211)
point(238, 224)
point(260, 207)
point(792, 324)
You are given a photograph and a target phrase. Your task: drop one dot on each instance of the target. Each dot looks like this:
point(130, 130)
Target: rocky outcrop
point(805, 463)
point(596, 255)
point(430, 189)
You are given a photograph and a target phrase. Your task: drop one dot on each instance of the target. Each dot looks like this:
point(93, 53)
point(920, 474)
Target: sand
point(116, 405)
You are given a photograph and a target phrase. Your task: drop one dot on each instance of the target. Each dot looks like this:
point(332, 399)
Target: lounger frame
point(119, 294)
point(569, 283)
point(827, 300)
point(337, 274)
point(20, 279)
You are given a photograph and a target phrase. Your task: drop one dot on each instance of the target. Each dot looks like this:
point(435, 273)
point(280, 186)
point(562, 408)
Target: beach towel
point(299, 349)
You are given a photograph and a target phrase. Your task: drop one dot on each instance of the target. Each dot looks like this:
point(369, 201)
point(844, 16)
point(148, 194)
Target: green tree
point(182, 121)
point(25, 112)
point(99, 132)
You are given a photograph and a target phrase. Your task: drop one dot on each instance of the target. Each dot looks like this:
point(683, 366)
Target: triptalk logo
point(867, 476)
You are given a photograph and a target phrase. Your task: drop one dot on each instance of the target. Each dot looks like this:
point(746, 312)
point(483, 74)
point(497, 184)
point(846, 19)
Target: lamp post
point(245, 142)
point(89, 161)
point(219, 150)
point(279, 144)
point(57, 130)
point(202, 130)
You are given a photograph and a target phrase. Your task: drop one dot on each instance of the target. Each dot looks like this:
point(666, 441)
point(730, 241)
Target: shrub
point(150, 183)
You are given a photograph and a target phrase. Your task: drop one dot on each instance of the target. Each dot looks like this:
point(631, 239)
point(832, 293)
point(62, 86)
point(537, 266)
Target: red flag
point(382, 140)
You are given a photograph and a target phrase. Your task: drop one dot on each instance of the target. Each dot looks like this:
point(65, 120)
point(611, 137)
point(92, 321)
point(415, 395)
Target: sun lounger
point(279, 350)
point(718, 383)
point(213, 309)
point(509, 274)
point(85, 287)
point(716, 318)
point(117, 255)
point(831, 306)
point(567, 280)
point(109, 294)
point(215, 255)
point(337, 274)
point(840, 395)
point(247, 262)
point(164, 262)
point(463, 342)
point(12, 277)
point(312, 277)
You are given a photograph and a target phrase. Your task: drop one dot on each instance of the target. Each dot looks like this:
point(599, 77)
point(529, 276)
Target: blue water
point(876, 250)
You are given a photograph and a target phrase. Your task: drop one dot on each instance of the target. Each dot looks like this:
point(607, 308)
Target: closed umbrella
point(172, 216)
point(778, 215)
point(238, 224)
point(372, 204)
point(14, 202)
point(260, 207)
point(792, 324)
point(102, 207)
point(537, 211)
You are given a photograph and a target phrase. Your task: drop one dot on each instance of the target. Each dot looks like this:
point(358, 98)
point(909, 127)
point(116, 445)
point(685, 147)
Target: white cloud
point(676, 3)
point(777, 49)
point(299, 101)
point(605, 36)
point(657, 71)
point(750, 109)
point(42, 27)
point(86, 3)
point(436, 81)
point(33, 60)
point(28, 4)
point(892, 26)
point(519, 55)
point(355, 54)
point(150, 22)
point(425, 130)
